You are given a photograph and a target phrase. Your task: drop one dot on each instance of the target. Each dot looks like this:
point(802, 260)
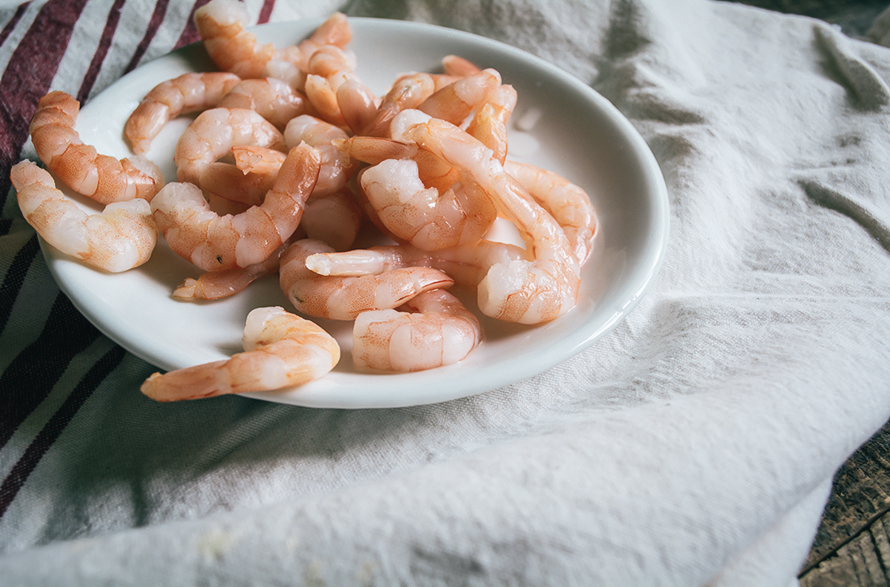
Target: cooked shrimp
point(357, 103)
point(456, 101)
point(214, 285)
point(100, 177)
point(216, 243)
point(271, 98)
point(408, 92)
point(489, 124)
point(336, 166)
point(119, 238)
point(458, 66)
point(422, 216)
point(437, 330)
point(221, 25)
point(329, 67)
point(569, 205)
point(344, 298)
point(529, 291)
point(211, 136)
point(186, 93)
point(467, 264)
point(334, 218)
point(281, 350)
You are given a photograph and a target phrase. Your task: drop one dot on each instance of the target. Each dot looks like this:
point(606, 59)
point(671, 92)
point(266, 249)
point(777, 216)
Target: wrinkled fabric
point(692, 445)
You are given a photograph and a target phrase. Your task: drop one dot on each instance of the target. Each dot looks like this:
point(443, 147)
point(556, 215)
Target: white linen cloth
point(693, 445)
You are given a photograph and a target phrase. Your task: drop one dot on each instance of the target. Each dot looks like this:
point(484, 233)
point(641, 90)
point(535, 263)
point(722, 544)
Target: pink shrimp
point(334, 218)
point(489, 124)
point(186, 93)
point(216, 243)
point(434, 331)
point(100, 177)
point(280, 350)
point(569, 205)
point(456, 101)
point(271, 98)
point(344, 298)
point(337, 167)
point(458, 66)
point(408, 92)
point(210, 136)
point(221, 25)
point(123, 236)
point(530, 291)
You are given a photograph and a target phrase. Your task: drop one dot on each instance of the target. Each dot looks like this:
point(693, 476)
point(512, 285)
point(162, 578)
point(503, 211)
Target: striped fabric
point(36, 355)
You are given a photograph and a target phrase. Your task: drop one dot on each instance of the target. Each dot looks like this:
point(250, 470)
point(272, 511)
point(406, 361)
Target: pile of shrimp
point(289, 156)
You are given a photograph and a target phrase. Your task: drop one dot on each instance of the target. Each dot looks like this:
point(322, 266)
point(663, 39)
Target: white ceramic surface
point(577, 133)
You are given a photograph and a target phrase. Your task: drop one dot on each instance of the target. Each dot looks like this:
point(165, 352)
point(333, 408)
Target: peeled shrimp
point(210, 136)
point(569, 205)
point(422, 216)
point(334, 218)
point(119, 238)
point(100, 177)
point(529, 291)
point(408, 92)
point(188, 92)
point(281, 350)
point(457, 100)
point(489, 124)
point(214, 285)
point(271, 98)
point(436, 330)
point(336, 166)
point(216, 243)
point(344, 298)
point(458, 66)
point(466, 264)
point(291, 64)
point(220, 24)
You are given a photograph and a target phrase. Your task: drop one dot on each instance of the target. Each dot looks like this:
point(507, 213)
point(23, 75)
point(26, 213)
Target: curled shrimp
point(186, 93)
point(100, 177)
point(408, 92)
point(531, 291)
point(216, 243)
point(271, 98)
point(220, 24)
point(344, 298)
point(457, 100)
point(434, 331)
point(334, 218)
point(466, 264)
point(458, 66)
point(121, 237)
point(423, 216)
point(291, 64)
point(336, 167)
point(211, 136)
point(489, 124)
point(281, 350)
point(569, 205)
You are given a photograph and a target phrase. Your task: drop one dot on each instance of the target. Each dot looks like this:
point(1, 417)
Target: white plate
point(579, 134)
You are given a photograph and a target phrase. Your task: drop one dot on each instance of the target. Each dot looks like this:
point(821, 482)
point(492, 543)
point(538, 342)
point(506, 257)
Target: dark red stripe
point(266, 11)
point(54, 427)
point(28, 77)
point(190, 31)
point(30, 377)
point(4, 34)
point(157, 17)
point(114, 15)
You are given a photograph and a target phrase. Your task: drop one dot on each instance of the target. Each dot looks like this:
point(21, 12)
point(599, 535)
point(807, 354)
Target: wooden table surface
point(852, 546)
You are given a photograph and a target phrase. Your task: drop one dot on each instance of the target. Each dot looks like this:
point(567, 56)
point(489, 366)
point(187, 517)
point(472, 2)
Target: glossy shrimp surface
point(538, 289)
point(344, 298)
point(210, 137)
point(216, 243)
point(79, 166)
point(336, 167)
point(119, 238)
point(281, 350)
point(433, 330)
point(221, 25)
point(271, 98)
point(186, 93)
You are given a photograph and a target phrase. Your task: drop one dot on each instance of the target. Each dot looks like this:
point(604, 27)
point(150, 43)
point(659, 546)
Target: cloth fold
point(692, 445)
